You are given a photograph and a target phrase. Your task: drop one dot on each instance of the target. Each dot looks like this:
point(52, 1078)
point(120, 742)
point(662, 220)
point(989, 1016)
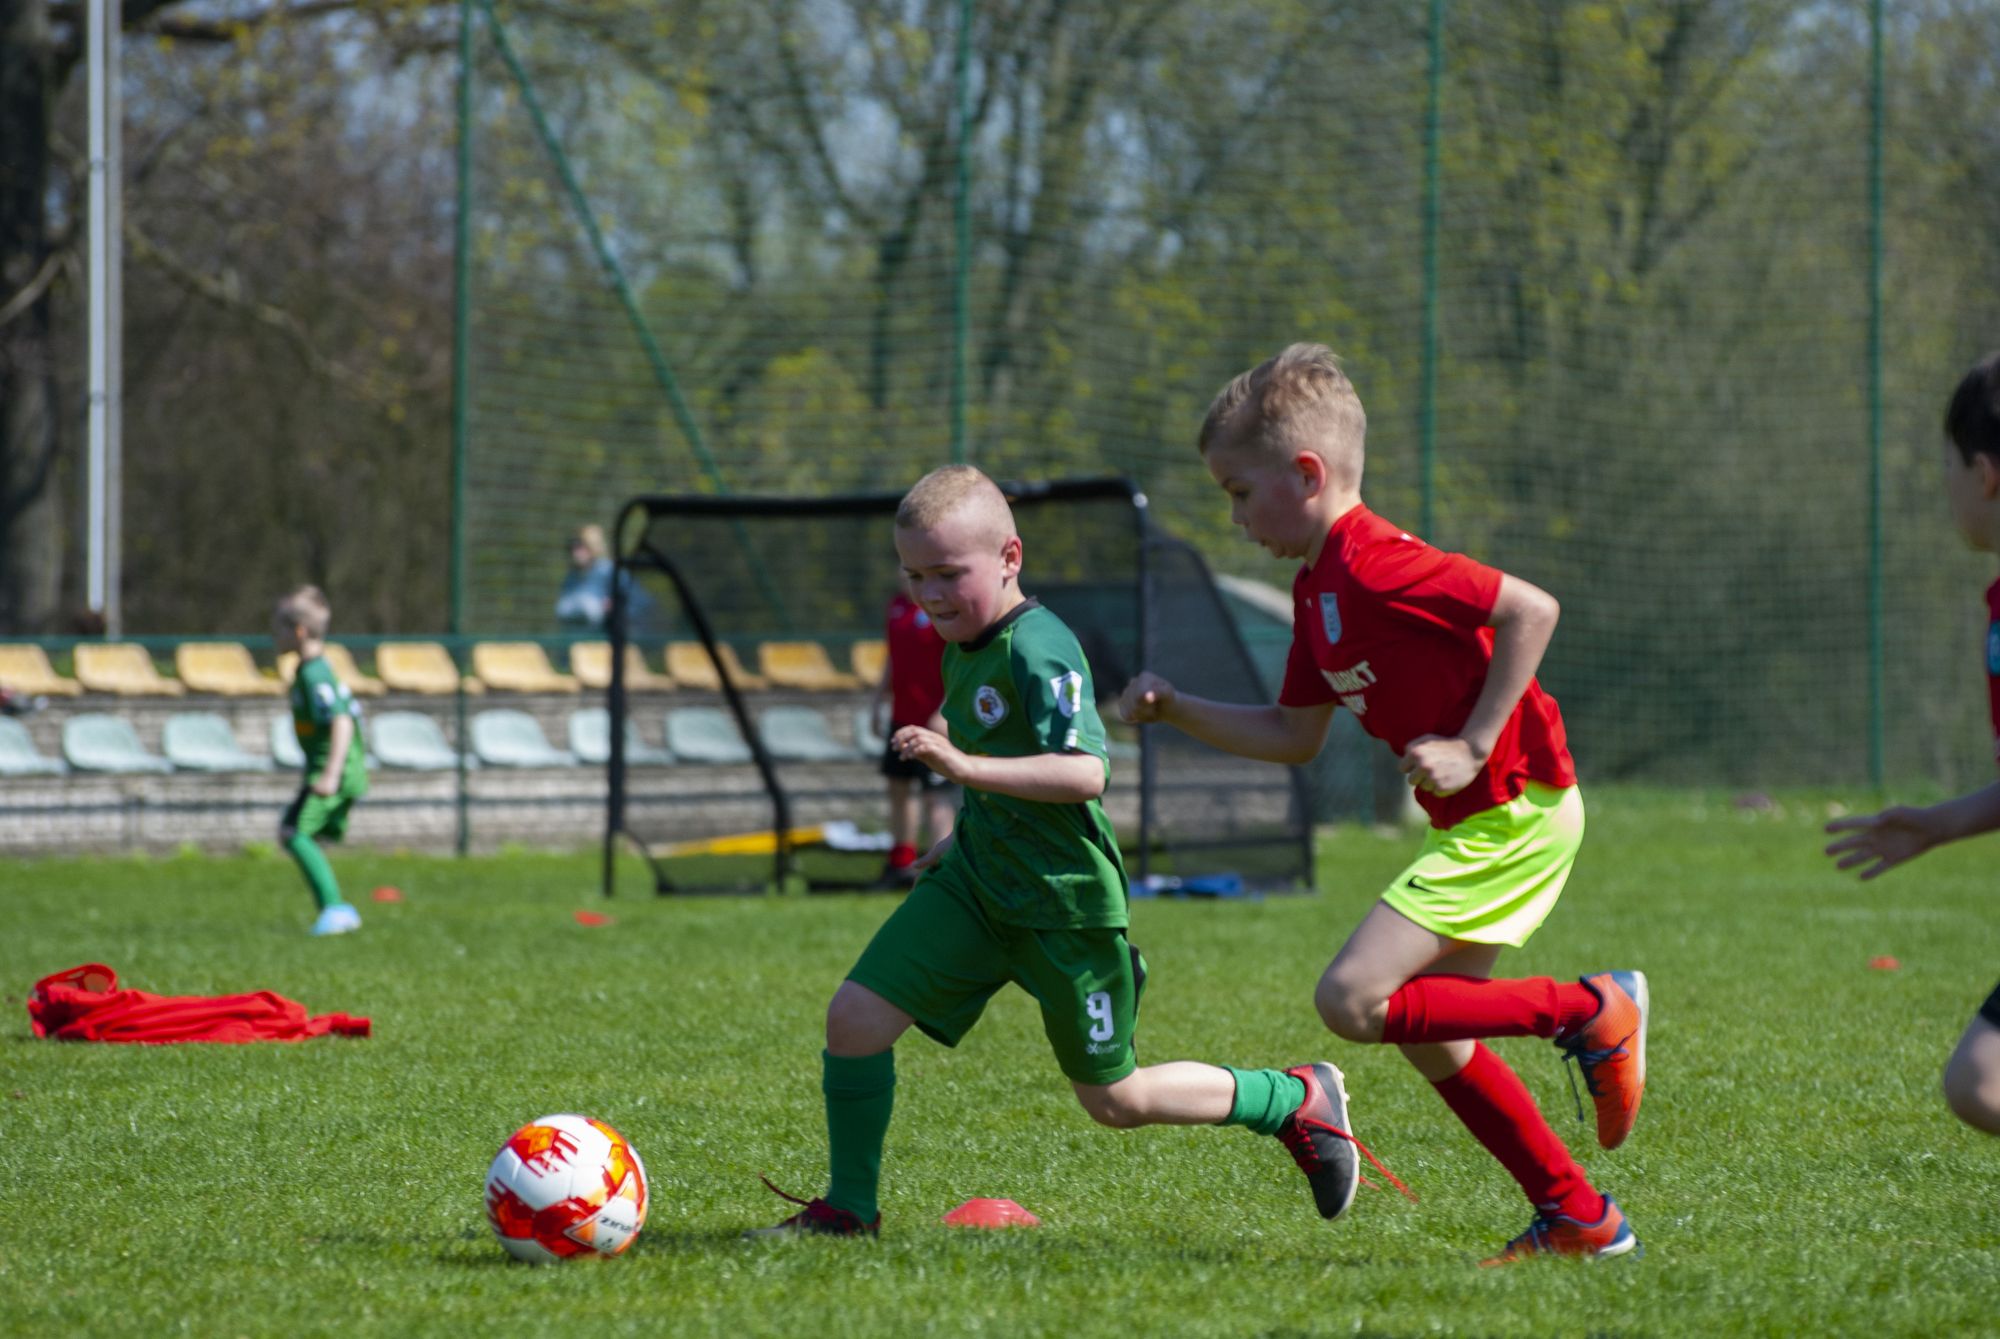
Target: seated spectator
point(584, 602)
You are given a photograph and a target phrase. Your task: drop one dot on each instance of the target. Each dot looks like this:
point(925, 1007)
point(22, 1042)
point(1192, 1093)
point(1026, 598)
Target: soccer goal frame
point(643, 555)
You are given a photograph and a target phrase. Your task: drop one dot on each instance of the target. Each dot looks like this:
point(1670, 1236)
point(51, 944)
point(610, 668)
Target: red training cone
point(592, 918)
point(1884, 963)
point(388, 894)
point(990, 1213)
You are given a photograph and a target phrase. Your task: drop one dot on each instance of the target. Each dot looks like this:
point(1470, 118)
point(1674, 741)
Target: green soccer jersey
point(318, 696)
point(1022, 688)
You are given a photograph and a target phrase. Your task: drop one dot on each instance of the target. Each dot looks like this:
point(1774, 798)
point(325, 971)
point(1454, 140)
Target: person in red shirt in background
point(911, 691)
point(1435, 655)
point(1877, 843)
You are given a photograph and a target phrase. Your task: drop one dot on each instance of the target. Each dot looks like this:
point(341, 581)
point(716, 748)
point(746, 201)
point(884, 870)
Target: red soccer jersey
point(1993, 661)
point(916, 663)
point(1395, 631)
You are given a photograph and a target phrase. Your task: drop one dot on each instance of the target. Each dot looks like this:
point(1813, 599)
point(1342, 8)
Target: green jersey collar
point(1000, 625)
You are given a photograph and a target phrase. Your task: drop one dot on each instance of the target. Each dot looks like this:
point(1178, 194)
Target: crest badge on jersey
point(1329, 617)
point(988, 705)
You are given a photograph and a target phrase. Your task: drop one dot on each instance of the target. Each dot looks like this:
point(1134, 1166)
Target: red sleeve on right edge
point(1304, 685)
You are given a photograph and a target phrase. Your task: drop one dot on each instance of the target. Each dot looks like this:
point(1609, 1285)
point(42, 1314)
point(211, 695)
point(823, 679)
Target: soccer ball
point(563, 1186)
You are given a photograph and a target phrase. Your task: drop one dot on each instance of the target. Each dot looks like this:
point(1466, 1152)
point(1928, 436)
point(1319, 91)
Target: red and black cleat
point(1318, 1138)
point(817, 1218)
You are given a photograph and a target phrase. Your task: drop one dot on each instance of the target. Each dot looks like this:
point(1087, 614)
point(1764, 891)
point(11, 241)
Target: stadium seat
point(803, 665)
point(799, 734)
point(20, 757)
point(869, 660)
point(411, 741)
point(25, 668)
point(590, 662)
point(123, 668)
point(867, 739)
point(503, 737)
point(518, 667)
point(590, 740)
point(285, 750)
point(223, 668)
point(690, 667)
point(705, 734)
point(98, 742)
point(345, 668)
point(421, 667)
point(201, 741)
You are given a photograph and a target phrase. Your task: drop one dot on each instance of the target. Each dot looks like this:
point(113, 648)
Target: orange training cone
point(990, 1213)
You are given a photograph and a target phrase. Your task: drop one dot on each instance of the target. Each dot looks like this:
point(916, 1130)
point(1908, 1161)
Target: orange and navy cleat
point(1610, 1051)
point(816, 1219)
point(1317, 1137)
point(1553, 1233)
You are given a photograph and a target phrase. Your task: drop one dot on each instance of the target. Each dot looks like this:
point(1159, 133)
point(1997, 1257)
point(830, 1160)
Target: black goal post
point(745, 643)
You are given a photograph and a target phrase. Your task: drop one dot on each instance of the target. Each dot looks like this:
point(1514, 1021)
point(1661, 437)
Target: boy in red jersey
point(1877, 843)
point(911, 691)
point(1435, 655)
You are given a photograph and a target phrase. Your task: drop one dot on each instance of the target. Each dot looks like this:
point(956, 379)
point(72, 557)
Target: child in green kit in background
point(1028, 888)
point(336, 773)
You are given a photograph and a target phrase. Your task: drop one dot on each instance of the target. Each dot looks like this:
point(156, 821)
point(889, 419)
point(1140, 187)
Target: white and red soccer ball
point(563, 1186)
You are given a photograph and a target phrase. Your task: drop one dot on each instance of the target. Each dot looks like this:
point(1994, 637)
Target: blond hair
point(1299, 400)
point(951, 490)
point(306, 608)
point(591, 537)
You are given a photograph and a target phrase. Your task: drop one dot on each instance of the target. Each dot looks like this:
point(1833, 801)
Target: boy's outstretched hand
point(935, 854)
point(916, 743)
point(1877, 843)
point(1440, 764)
point(1145, 699)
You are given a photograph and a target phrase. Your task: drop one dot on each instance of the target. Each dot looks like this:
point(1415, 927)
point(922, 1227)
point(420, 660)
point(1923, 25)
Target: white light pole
point(107, 309)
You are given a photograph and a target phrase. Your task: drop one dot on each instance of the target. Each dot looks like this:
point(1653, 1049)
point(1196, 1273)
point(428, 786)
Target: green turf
point(1794, 1170)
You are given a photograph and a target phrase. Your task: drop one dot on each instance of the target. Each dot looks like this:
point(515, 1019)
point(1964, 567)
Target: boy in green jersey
point(1028, 888)
point(328, 725)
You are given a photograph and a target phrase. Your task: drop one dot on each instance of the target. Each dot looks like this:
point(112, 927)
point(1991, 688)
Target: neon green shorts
point(1495, 877)
point(939, 958)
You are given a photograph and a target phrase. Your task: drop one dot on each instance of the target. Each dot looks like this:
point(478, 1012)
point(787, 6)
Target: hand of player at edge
point(916, 743)
point(324, 786)
point(935, 854)
point(1146, 699)
point(1440, 764)
point(1877, 843)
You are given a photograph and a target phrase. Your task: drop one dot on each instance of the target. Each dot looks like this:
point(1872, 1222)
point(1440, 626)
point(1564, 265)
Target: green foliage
point(1794, 1169)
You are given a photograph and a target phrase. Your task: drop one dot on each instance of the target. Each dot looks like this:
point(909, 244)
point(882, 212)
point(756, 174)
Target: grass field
point(1794, 1170)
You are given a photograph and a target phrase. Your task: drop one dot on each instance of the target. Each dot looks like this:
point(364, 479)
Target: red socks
point(1460, 1008)
point(902, 856)
point(1497, 1107)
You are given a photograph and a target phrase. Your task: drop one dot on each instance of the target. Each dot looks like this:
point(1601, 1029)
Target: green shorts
point(1495, 877)
point(940, 957)
point(321, 817)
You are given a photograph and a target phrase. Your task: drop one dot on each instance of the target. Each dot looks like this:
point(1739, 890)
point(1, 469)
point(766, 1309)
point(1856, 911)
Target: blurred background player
point(911, 691)
point(328, 724)
point(1877, 843)
point(1435, 655)
point(1029, 888)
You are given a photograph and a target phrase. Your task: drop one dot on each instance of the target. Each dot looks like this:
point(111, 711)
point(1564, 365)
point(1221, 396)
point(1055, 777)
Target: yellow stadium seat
point(25, 668)
point(224, 668)
point(690, 667)
point(123, 668)
point(803, 665)
point(590, 662)
point(519, 667)
point(869, 660)
point(345, 668)
point(421, 667)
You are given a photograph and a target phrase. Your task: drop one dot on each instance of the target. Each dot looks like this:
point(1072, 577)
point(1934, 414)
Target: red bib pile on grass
point(85, 1004)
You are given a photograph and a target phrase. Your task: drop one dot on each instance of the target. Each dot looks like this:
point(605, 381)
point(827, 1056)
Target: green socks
point(860, 1093)
point(1264, 1099)
point(313, 864)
